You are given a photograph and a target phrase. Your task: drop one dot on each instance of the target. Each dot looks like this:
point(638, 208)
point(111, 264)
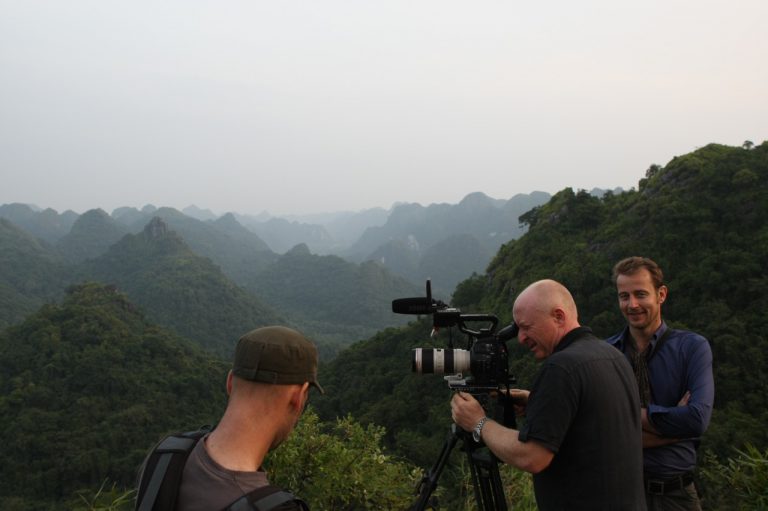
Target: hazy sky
point(326, 105)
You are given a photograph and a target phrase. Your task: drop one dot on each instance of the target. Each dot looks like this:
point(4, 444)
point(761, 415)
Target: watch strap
point(476, 433)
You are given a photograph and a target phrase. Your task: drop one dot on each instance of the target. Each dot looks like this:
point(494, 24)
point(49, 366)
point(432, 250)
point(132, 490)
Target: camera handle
point(486, 481)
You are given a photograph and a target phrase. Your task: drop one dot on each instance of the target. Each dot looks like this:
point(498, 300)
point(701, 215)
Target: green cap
point(276, 354)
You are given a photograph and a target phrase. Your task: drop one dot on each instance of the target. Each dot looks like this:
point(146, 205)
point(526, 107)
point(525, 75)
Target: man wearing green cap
point(268, 388)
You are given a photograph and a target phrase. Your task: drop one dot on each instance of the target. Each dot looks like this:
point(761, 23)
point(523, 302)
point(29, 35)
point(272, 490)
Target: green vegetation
point(86, 387)
point(739, 483)
point(333, 300)
point(30, 274)
point(179, 289)
point(341, 466)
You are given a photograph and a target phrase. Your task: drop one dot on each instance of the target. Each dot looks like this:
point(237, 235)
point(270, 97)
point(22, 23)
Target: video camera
point(486, 356)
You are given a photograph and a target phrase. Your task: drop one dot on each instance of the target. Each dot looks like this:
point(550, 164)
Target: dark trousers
point(679, 499)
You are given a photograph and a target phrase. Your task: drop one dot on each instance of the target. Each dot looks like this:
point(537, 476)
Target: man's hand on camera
point(466, 411)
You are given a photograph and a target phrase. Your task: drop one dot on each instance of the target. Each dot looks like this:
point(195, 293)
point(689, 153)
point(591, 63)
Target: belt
point(657, 486)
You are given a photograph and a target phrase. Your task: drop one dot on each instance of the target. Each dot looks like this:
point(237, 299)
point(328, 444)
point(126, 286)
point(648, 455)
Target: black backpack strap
point(161, 474)
point(266, 498)
point(153, 488)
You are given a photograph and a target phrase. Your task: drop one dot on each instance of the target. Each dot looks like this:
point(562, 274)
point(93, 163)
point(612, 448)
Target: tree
point(341, 466)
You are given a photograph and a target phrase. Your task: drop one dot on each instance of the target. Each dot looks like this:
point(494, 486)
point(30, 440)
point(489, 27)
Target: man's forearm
point(654, 440)
point(505, 443)
point(646, 423)
point(651, 436)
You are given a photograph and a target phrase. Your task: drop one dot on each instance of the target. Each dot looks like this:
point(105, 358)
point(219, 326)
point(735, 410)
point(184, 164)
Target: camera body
point(482, 369)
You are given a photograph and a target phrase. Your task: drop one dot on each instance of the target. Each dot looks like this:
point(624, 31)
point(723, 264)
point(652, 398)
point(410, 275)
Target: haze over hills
point(237, 250)
point(408, 239)
point(462, 237)
point(45, 224)
point(173, 280)
point(180, 289)
point(90, 236)
point(281, 235)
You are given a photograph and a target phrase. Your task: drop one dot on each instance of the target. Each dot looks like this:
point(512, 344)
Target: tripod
point(484, 466)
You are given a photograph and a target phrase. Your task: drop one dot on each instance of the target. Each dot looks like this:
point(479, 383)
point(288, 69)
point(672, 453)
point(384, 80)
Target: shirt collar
point(658, 334)
point(571, 336)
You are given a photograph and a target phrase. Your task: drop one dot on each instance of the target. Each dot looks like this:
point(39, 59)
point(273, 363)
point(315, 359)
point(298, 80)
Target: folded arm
point(690, 419)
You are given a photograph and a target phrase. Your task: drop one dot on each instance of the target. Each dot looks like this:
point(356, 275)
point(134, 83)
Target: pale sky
point(327, 105)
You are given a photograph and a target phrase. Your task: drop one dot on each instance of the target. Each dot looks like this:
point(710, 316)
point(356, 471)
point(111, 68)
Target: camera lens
point(439, 361)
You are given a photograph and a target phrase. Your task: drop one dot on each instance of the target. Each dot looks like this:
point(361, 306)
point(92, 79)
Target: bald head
point(546, 295)
point(544, 312)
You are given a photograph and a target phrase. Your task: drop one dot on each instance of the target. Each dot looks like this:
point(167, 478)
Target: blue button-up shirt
point(682, 362)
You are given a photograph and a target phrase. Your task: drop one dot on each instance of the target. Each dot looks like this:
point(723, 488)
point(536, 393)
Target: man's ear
point(559, 315)
point(229, 383)
point(663, 290)
point(299, 395)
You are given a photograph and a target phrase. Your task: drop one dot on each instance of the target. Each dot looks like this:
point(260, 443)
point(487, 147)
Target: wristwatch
point(478, 429)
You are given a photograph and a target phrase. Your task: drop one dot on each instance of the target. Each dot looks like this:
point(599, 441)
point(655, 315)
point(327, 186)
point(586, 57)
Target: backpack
point(160, 479)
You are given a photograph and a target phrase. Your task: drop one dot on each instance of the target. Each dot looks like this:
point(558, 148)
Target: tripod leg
point(484, 467)
point(429, 481)
point(489, 490)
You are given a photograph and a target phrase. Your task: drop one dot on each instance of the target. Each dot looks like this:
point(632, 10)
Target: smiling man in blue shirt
point(673, 369)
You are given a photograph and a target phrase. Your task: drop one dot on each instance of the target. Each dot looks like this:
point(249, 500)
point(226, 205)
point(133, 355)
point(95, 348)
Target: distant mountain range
point(47, 225)
point(443, 242)
point(363, 259)
point(211, 278)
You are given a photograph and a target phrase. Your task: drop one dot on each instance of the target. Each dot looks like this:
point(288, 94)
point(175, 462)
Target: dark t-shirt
point(207, 486)
point(585, 408)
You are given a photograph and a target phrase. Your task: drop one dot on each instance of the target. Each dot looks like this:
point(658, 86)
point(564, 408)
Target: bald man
point(582, 436)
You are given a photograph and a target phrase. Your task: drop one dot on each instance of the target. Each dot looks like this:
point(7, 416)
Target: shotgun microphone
point(418, 305)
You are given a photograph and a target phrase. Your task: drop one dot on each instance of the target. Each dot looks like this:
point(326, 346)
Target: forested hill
point(339, 301)
point(239, 252)
point(91, 235)
point(180, 289)
point(47, 225)
point(703, 217)
point(31, 273)
point(463, 237)
point(86, 387)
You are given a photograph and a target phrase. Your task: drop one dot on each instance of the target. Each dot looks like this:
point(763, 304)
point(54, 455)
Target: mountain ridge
point(180, 289)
